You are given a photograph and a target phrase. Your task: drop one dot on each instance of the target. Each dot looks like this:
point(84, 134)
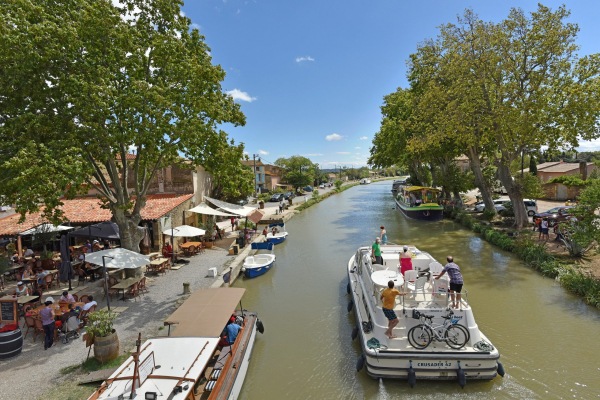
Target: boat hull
point(276, 240)
point(242, 368)
point(421, 213)
point(252, 272)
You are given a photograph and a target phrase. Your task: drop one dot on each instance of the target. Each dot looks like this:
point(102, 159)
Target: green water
point(548, 338)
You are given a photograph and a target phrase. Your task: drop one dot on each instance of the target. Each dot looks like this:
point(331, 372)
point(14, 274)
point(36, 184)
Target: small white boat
point(280, 235)
point(258, 264)
point(188, 364)
point(437, 358)
point(365, 181)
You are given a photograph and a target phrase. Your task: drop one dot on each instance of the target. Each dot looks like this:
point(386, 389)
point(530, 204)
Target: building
point(463, 163)
point(550, 170)
point(268, 177)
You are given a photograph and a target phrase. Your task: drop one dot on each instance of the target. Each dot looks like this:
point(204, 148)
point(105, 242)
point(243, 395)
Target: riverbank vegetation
point(317, 198)
point(491, 92)
point(575, 278)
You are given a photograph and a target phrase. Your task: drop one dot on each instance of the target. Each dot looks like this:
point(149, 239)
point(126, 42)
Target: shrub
point(570, 180)
point(488, 215)
point(101, 323)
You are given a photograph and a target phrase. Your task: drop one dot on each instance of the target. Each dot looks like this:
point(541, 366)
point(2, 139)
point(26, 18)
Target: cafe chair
point(110, 291)
point(76, 298)
point(84, 299)
point(39, 328)
point(199, 249)
point(82, 276)
point(31, 326)
point(47, 283)
point(133, 291)
point(143, 285)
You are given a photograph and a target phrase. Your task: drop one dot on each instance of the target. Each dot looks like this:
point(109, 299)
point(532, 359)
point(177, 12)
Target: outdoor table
point(156, 265)
point(21, 299)
point(188, 244)
point(93, 269)
point(381, 278)
point(33, 281)
point(126, 284)
point(12, 271)
point(153, 256)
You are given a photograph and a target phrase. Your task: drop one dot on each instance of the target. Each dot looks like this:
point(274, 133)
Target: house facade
point(555, 169)
point(267, 176)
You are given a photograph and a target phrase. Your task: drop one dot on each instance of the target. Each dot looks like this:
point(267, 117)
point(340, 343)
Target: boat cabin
point(416, 196)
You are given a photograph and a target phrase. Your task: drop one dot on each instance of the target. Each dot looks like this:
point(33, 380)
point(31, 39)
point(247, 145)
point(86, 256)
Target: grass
point(320, 198)
point(92, 364)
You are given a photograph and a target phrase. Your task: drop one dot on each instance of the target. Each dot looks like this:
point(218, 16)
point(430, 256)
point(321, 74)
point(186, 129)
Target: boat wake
point(383, 393)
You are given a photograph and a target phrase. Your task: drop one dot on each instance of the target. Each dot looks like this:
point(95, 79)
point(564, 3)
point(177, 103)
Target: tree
point(586, 230)
point(298, 170)
point(338, 184)
point(83, 82)
point(532, 166)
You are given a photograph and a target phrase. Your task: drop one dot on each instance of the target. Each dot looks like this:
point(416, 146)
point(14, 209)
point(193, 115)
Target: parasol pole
point(106, 280)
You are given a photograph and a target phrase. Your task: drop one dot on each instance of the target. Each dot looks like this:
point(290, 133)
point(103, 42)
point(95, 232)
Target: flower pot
point(47, 264)
point(207, 245)
point(106, 348)
point(262, 205)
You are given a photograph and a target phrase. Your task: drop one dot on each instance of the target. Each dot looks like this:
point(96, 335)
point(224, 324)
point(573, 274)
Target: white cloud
point(342, 152)
point(239, 95)
point(357, 148)
point(238, 11)
point(358, 154)
point(308, 58)
point(245, 153)
point(363, 138)
point(195, 26)
point(591, 145)
point(263, 153)
point(312, 155)
point(132, 148)
point(333, 136)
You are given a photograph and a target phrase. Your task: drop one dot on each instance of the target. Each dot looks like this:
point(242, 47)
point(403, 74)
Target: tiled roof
point(563, 167)
point(128, 156)
point(546, 165)
point(88, 210)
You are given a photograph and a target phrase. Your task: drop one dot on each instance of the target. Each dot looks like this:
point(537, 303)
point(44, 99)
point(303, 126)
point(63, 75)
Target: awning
point(118, 258)
point(206, 312)
point(419, 188)
point(256, 216)
point(231, 208)
point(43, 228)
point(184, 231)
point(205, 209)
point(103, 230)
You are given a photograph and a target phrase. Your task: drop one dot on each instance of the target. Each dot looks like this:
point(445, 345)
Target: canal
point(548, 338)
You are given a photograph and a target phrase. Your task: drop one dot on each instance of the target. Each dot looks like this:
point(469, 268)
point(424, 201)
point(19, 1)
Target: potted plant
point(261, 204)
point(106, 341)
point(209, 227)
point(46, 258)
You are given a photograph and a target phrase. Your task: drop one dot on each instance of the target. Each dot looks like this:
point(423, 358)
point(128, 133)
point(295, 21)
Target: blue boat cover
point(262, 246)
point(281, 224)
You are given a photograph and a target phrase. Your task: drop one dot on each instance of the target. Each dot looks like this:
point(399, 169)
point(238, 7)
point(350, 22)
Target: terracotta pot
point(106, 348)
point(207, 245)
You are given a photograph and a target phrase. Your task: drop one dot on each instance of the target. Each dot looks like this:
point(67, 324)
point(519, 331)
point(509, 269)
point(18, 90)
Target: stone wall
point(176, 220)
point(558, 191)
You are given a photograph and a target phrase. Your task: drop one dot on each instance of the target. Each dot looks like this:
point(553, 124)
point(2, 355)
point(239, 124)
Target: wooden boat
point(258, 264)
point(188, 364)
point(420, 203)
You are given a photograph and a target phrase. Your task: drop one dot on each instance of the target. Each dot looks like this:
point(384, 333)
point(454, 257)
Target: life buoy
point(426, 213)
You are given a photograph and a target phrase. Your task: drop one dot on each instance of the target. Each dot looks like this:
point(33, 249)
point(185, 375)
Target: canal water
point(549, 339)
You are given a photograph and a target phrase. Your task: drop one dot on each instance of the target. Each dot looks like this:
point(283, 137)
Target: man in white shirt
point(28, 253)
point(91, 303)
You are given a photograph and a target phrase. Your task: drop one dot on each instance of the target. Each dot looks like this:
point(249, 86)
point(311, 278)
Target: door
point(561, 192)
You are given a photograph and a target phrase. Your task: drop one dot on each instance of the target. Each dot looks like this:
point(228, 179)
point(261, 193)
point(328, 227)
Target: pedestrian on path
point(47, 315)
point(545, 235)
point(280, 206)
point(232, 224)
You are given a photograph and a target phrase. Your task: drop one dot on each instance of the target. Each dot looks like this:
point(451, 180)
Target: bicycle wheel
point(420, 336)
point(455, 337)
point(465, 330)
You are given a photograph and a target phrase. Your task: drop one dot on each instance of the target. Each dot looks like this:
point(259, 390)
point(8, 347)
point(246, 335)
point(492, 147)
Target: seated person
point(42, 275)
point(65, 317)
point(96, 245)
point(27, 252)
point(265, 231)
point(21, 290)
point(168, 250)
point(230, 333)
point(90, 303)
point(28, 273)
point(68, 297)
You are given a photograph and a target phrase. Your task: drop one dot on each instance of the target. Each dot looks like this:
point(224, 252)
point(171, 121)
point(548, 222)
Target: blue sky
point(311, 75)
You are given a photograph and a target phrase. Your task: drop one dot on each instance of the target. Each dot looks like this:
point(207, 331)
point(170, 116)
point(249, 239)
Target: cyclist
point(389, 297)
point(456, 280)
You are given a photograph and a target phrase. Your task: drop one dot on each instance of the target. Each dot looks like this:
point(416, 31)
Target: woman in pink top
point(405, 260)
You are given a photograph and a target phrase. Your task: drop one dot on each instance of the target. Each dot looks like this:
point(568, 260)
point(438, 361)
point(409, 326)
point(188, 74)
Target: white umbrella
point(203, 208)
point(118, 258)
point(184, 231)
point(44, 228)
point(231, 208)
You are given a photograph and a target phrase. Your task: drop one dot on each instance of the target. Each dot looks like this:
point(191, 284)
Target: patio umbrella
point(46, 227)
point(66, 272)
point(104, 230)
point(119, 258)
point(184, 231)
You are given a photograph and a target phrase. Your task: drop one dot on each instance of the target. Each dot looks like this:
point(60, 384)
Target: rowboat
point(190, 363)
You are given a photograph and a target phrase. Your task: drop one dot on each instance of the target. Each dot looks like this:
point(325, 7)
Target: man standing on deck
point(456, 280)
point(376, 250)
point(389, 298)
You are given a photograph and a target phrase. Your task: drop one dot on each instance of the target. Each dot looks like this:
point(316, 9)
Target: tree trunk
point(484, 189)
point(130, 235)
point(457, 199)
point(514, 193)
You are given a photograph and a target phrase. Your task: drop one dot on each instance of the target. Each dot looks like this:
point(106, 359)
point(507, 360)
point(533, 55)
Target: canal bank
point(547, 336)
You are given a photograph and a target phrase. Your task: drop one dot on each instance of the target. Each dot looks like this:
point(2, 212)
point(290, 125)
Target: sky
point(311, 75)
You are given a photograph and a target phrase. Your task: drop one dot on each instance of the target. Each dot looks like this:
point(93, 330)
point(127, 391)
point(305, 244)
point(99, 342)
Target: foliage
point(488, 215)
point(247, 224)
point(532, 166)
point(587, 227)
point(4, 263)
point(298, 171)
point(46, 255)
point(338, 183)
point(104, 79)
point(101, 323)
point(209, 226)
point(43, 236)
point(570, 180)
point(530, 185)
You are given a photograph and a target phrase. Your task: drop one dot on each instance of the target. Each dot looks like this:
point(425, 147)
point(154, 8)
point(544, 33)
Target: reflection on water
point(549, 339)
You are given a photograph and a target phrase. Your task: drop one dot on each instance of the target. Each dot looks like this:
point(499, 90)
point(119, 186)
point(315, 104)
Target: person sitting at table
point(168, 250)
point(27, 252)
point(28, 273)
point(230, 333)
point(65, 317)
point(21, 290)
point(90, 303)
point(42, 275)
point(218, 231)
point(68, 297)
point(96, 245)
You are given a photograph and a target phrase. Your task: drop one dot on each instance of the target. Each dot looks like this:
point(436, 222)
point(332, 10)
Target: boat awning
point(419, 188)
point(204, 208)
point(231, 208)
point(206, 312)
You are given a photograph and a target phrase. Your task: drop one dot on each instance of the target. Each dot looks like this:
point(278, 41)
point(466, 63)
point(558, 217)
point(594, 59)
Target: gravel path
point(35, 370)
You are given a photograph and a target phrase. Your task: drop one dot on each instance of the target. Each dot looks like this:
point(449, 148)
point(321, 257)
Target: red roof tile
point(87, 210)
point(128, 156)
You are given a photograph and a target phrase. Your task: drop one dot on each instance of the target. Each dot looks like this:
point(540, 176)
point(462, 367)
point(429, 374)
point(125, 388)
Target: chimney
point(583, 170)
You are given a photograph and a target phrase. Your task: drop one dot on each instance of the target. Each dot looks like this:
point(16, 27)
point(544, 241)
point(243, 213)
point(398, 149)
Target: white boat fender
point(243, 269)
point(460, 374)
point(350, 305)
point(412, 376)
point(500, 368)
point(360, 363)
point(348, 290)
point(259, 326)
point(354, 332)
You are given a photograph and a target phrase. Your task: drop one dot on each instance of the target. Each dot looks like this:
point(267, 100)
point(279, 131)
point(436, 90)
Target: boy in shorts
point(389, 297)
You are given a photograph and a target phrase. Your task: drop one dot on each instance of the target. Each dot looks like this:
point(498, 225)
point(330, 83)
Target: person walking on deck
point(456, 280)
point(389, 298)
point(376, 251)
point(383, 235)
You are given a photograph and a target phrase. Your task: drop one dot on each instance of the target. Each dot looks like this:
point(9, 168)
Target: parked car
point(322, 186)
point(557, 214)
point(308, 189)
point(242, 202)
point(530, 206)
point(277, 197)
point(289, 195)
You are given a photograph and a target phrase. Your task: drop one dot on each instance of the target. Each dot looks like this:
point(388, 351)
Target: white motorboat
point(258, 264)
point(427, 301)
point(365, 181)
point(188, 364)
point(280, 233)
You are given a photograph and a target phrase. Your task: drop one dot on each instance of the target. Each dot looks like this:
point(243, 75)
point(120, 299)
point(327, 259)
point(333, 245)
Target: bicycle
point(420, 336)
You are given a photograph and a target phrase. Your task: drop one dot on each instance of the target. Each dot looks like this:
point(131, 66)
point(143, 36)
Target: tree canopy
point(84, 82)
point(298, 171)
